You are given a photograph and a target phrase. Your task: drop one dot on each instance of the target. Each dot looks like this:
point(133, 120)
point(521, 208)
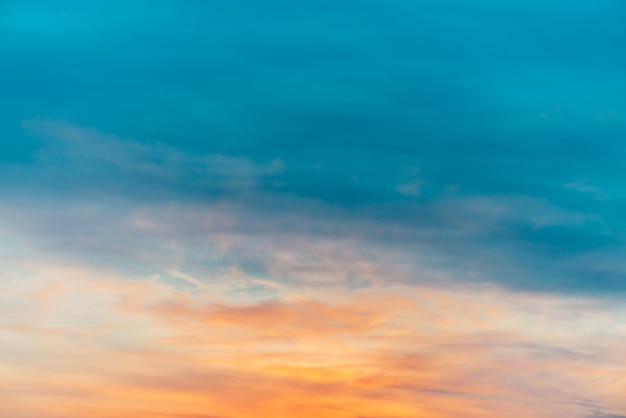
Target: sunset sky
point(312, 209)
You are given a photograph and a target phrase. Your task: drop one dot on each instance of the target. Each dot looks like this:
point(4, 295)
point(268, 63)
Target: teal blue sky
point(476, 141)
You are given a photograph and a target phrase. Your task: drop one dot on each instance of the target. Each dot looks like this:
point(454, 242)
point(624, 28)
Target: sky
point(313, 208)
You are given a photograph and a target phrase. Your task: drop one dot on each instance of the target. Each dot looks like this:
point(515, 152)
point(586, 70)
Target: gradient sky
point(312, 209)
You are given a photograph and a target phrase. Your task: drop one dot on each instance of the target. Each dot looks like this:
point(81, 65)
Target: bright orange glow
point(84, 344)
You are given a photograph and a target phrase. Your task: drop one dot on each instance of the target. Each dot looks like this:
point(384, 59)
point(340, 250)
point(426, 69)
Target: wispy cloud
point(433, 352)
point(583, 186)
point(103, 159)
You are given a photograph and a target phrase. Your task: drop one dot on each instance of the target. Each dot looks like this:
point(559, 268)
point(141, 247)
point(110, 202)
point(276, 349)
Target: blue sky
point(416, 116)
point(293, 150)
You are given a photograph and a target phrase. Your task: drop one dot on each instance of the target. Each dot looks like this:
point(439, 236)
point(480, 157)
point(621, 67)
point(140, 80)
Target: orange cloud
point(105, 347)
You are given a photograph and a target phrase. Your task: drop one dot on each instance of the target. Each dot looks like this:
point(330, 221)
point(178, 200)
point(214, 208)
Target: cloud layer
point(105, 346)
point(350, 209)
